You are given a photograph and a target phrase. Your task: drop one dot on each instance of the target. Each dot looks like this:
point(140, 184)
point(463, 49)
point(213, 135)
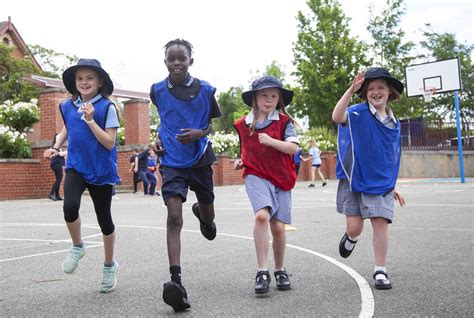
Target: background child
point(90, 127)
point(315, 157)
point(368, 163)
point(297, 159)
point(57, 164)
point(141, 168)
point(186, 106)
point(268, 141)
point(136, 177)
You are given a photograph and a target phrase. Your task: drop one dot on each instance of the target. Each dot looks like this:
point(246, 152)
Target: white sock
point(348, 245)
point(262, 269)
point(380, 268)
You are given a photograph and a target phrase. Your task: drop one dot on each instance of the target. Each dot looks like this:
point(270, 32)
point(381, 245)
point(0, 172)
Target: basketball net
point(428, 93)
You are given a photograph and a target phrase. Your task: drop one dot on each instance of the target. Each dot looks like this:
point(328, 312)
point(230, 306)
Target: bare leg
point(279, 243)
point(109, 244)
point(313, 174)
point(174, 224)
point(321, 174)
point(354, 225)
point(380, 240)
point(260, 236)
point(74, 229)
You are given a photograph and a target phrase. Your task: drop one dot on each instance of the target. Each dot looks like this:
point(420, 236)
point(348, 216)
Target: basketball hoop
point(428, 93)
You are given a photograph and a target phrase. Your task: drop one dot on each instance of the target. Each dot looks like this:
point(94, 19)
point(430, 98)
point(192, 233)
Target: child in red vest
point(268, 141)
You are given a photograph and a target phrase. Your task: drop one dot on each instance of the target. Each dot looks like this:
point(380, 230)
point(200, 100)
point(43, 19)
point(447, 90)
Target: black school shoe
point(282, 280)
point(262, 282)
point(208, 231)
point(175, 295)
point(382, 283)
point(342, 246)
point(52, 197)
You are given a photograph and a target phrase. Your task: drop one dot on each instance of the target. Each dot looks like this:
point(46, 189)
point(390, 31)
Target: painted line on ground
point(367, 298)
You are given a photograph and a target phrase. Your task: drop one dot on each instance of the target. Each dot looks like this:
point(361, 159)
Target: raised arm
point(339, 114)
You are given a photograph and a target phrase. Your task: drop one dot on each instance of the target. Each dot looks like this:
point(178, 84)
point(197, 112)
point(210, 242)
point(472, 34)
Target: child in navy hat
point(186, 106)
point(268, 143)
point(368, 161)
point(90, 128)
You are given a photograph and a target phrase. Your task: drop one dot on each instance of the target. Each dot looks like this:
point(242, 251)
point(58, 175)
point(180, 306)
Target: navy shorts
point(317, 166)
point(176, 182)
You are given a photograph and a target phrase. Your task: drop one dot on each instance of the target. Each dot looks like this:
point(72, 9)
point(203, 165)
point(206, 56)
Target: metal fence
point(435, 135)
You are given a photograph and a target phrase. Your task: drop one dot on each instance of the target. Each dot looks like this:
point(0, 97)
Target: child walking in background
point(368, 163)
point(90, 128)
point(186, 106)
point(57, 165)
point(268, 141)
point(315, 157)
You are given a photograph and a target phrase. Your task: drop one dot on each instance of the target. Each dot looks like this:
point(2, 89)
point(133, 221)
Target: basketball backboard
point(441, 76)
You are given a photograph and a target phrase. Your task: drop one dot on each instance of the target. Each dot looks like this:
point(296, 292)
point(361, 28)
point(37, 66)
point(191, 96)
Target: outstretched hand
point(189, 135)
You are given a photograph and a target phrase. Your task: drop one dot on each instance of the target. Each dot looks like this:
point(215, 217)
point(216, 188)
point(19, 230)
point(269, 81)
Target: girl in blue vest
point(268, 142)
point(367, 165)
point(186, 106)
point(90, 128)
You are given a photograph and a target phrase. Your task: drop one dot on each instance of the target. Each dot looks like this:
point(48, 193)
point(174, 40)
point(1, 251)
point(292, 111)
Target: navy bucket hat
point(379, 72)
point(69, 79)
point(267, 82)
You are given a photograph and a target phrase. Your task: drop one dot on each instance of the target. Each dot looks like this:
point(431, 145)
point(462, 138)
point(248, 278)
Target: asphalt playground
point(430, 259)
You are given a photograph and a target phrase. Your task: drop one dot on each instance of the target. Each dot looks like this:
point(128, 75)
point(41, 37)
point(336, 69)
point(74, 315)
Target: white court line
point(367, 298)
point(41, 254)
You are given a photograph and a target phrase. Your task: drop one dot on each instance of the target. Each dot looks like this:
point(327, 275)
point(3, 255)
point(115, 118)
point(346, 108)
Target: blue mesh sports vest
point(368, 152)
point(176, 114)
point(95, 163)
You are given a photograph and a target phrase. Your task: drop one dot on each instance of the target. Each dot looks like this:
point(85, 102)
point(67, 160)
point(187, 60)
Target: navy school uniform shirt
point(187, 91)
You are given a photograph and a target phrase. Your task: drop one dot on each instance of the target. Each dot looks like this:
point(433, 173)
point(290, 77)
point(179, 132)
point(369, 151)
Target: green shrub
point(13, 144)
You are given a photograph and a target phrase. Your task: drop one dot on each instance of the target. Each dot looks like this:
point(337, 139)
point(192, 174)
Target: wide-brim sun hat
point(69, 78)
point(379, 72)
point(267, 82)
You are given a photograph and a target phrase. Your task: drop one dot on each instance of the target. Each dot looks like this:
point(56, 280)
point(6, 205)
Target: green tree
point(230, 103)
point(12, 71)
point(441, 47)
point(392, 53)
point(53, 63)
point(326, 60)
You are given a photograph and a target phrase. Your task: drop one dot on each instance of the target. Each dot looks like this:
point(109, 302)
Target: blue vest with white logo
point(176, 114)
point(95, 163)
point(368, 153)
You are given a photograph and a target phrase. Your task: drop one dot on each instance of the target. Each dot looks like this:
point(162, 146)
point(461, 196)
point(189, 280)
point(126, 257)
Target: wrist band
point(90, 121)
point(55, 149)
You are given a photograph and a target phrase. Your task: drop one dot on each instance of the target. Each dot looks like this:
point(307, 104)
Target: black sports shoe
point(175, 295)
point(52, 197)
point(208, 231)
point(282, 280)
point(262, 282)
point(342, 246)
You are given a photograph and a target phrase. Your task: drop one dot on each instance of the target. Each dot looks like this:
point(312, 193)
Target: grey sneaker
point(73, 257)
point(109, 278)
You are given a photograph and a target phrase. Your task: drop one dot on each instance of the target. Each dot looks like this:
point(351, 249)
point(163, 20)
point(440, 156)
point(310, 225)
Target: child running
point(90, 128)
point(186, 106)
point(268, 142)
point(368, 163)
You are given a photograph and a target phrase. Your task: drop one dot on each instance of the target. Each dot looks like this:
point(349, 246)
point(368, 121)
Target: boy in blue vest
point(186, 106)
point(368, 162)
